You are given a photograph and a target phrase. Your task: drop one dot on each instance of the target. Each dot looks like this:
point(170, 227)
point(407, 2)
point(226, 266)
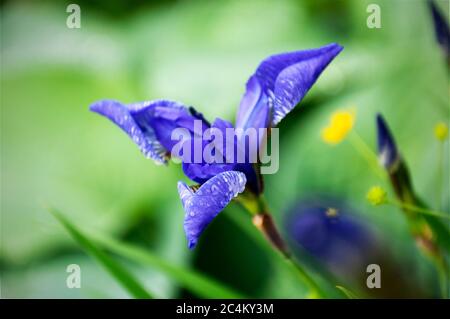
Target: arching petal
point(280, 83)
point(209, 200)
point(119, 114)
point(294, 82)
point(149, 124)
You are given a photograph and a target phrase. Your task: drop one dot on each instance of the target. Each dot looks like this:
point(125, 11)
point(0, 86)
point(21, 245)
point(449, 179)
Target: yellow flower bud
point(376, 196)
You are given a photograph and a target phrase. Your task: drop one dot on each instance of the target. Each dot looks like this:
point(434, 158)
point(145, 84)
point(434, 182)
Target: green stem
point(315, 289)
point(443, 278)
point(264, 223)
point(418, 209)
point(364, 150)
point(440, 173)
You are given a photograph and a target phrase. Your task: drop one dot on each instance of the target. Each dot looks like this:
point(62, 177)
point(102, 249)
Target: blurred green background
point(55, 152)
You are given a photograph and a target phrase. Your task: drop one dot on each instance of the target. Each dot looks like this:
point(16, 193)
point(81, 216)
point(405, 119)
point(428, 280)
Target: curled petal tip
point(332, 50)
point(101, 106)
point(93, 107)
point(337, 47)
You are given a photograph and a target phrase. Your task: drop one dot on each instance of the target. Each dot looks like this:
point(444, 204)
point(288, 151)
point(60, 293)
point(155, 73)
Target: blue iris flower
point(278, 85)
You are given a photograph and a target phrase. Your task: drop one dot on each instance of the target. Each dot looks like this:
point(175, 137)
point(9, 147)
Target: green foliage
point(199, 284)
point(192, 280)
point(349, 294)
point(126, 279)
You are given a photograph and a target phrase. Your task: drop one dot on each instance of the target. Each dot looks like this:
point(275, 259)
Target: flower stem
point(440, 174)
point(316, 291)
point(364, 150)
point(443, 278)
point(418, 209)
point(265, 224)
point(257, 207)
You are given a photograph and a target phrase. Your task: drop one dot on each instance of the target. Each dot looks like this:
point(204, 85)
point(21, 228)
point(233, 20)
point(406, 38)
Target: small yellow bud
point(376, 196)
point(441, 131)
point(341, 123)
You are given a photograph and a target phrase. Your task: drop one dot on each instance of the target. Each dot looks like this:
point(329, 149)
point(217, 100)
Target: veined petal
point(119, 114)
point(294, 81)
point(387, 150)
point(280, 83)
point(161, 117)
point(149, 124)
point(209, 200)
point(254, 109)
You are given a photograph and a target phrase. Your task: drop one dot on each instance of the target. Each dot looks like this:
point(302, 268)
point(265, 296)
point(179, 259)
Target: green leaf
point(195, 282)
point(126, 279)
point(349, 294)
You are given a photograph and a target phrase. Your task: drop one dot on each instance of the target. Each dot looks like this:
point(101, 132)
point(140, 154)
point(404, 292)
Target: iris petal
point(254, 108)
point(280, 83)
point(149, 124)
point(120, 115)
point(201, 172)
point(209, 200)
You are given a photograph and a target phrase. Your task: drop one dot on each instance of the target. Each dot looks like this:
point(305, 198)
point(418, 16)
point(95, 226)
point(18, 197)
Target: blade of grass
point(349, 294)
point(126, 279)
point(195, 282)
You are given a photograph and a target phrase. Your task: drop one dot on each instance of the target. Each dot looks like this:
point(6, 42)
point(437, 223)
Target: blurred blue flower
point(345, 245)
point(387, 150)
point(279, 83)
point(328, 230)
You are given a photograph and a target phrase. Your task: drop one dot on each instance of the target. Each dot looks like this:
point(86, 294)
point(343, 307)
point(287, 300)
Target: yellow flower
point(441, 131)
point(376, 196)
point(341, 123)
